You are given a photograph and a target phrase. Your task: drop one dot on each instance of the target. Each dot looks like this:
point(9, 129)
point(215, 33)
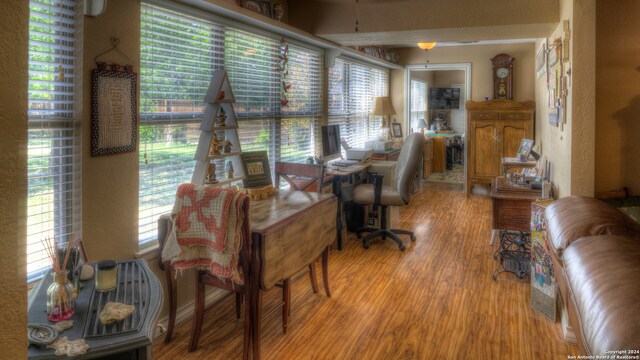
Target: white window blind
point(178, 54)
point(53, 203)
point(352, 88)
point(288, 132)
point(418, 103)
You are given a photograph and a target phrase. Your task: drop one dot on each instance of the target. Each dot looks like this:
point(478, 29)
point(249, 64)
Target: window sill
point(148, 253)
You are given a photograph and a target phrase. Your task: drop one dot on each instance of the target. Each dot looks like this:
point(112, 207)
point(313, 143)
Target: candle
point(106, 275)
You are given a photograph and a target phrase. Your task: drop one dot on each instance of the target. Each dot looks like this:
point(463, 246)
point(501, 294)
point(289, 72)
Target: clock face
point(502, 72)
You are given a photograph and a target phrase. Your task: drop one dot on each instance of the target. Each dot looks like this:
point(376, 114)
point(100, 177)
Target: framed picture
point(396, 129)
point(252, 5)
point(541, 60)
point(265, 8)
point(278, 12)
point(525, 149)
point(256, 169)
point(114, 127)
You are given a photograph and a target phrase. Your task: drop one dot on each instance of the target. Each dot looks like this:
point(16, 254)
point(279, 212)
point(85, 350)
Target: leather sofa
point(596, 257)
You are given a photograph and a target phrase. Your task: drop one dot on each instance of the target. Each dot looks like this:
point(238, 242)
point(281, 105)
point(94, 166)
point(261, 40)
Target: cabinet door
point(510, 136)
point(483, 149)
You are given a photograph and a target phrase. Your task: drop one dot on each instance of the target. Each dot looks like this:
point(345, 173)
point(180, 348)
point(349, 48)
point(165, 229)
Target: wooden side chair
point(301, 177)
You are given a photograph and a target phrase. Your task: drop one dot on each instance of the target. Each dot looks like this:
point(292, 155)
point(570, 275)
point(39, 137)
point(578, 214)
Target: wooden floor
point(436, 300)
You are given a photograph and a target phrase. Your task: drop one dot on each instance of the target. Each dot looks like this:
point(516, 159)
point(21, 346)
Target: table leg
point(325, 271)
point(337, 191)
point(257, 321)
point(172, 291)
point(313, 277)
point(286, 304)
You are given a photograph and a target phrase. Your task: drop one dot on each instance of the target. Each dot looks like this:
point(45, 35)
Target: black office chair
point(379, 195)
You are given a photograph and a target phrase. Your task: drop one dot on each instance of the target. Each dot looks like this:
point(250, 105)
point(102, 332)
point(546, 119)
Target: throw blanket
point(207, 231)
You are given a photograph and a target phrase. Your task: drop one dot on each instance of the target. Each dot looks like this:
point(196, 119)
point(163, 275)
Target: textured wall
point(14, 20)
point(583, 54)
point(617, 95)
point(335, 17)
point(555, 142)
point(481, 70)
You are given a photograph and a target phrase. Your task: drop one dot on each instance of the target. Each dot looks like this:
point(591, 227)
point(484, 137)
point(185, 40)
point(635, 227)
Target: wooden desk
point(130, 338)
point(289, 231)
point(351, 173)
point(512, 205)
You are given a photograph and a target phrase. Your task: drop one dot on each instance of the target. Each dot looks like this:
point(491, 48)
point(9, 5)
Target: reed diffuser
point(61, 295)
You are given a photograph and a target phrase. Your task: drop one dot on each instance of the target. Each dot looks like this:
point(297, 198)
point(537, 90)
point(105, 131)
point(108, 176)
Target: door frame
point(466, 67)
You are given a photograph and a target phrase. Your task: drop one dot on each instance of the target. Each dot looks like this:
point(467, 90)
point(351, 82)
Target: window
point(352, 88)
point(418, 103)
point(178, 55)
point(53, 202)
point(288, 132)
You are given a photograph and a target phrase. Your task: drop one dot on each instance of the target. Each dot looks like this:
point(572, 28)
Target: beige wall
point(14, 21)
point(446, 78)
point(331, 17)
point(481, 69)
point(617, 96)
point(571, 149)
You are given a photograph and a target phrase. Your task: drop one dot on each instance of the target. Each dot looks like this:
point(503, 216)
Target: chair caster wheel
point(402, 247)
point(413, 238)
point(366, 246)
point(359, 236)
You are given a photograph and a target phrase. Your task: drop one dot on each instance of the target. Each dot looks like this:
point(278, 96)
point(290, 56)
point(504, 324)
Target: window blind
point(288, 132)
point(418, 103)
point(53, 202)
point(352, 88)
point(178, 54)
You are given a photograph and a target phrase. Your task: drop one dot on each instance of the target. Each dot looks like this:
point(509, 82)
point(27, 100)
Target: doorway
point(435, 105)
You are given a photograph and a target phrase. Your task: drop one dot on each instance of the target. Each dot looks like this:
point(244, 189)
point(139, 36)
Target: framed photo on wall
point(114, 127)
point(541, 60)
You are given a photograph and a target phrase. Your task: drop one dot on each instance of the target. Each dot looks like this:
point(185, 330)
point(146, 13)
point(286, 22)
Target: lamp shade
point(383, 106)
point(426, 45)
point(422, 124)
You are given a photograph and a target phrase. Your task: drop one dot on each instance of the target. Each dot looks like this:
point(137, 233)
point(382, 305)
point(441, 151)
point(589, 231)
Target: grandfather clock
point(502, 76)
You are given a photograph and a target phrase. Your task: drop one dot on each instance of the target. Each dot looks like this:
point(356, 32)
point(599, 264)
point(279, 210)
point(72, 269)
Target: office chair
point(378, 195)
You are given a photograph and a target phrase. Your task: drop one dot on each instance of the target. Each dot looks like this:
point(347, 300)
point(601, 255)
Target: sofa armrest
point(574, 217)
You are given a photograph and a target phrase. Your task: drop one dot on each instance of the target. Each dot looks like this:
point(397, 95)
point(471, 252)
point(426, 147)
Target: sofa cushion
point(574, 217)
point(603, 275)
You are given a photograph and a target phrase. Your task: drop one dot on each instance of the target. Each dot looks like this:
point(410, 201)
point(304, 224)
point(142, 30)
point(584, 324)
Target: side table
point(512, 204)
point(130, 338)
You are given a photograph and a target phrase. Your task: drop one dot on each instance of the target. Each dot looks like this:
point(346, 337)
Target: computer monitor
point(330, 141)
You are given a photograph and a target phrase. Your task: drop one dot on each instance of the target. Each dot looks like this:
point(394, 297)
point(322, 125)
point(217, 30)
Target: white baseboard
point(185, 312)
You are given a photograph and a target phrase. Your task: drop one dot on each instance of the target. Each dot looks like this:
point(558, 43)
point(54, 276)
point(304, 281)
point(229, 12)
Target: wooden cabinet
point(495, 129)
point(427, 159)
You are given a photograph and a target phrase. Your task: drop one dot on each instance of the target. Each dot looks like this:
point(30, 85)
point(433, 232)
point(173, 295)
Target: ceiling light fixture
point(426, 46)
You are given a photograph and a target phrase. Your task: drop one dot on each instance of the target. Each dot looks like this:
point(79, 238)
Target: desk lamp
point(383, 107)
point(422, 125)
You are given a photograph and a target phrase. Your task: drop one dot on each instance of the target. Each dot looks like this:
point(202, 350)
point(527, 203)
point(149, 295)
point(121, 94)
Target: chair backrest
point(307, 175)
point(408, 163)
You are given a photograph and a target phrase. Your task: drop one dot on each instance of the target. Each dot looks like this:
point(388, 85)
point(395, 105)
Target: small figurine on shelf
point(215, 145)
point(222, 117)
point(221, 95)
point(227, 146)
point(229, 166)
point(211, 174)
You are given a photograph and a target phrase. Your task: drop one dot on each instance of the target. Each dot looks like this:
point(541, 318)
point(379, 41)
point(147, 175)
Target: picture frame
point(114, 127)
point(541, 60)
point(278, 12)
point(396, 130)
point(265, 8)
point(252, 5)
point(256, 168)
point(525, 149)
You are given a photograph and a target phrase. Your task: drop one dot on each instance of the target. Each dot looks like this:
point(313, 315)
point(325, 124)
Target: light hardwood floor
point(436, 300)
